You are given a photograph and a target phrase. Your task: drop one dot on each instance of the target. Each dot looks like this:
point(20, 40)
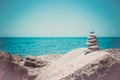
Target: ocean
point(51, 45)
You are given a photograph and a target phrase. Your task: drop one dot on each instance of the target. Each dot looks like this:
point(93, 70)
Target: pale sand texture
point(71, 62)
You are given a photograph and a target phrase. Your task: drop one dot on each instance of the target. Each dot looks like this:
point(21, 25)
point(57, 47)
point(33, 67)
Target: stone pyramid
point(92, 42)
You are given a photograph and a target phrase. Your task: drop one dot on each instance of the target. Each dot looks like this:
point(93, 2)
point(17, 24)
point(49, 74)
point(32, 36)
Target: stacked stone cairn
point(92, 42)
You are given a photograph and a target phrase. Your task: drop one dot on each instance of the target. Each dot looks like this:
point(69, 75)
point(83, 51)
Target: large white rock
point(94, 47)
point(67, 65)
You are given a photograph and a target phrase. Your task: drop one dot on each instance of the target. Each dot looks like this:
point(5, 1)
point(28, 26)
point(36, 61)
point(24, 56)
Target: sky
point(59, 18)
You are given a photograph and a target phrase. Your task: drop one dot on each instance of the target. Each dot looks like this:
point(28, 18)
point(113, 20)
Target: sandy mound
point(77, 61)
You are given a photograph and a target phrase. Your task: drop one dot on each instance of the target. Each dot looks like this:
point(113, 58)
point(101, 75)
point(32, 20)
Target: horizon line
point(50, 36)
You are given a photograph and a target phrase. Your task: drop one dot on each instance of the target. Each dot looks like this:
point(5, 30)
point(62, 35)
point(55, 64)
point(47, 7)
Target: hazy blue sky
point(59, 17)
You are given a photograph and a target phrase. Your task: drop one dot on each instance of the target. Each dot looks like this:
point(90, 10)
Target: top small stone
point(92, 32)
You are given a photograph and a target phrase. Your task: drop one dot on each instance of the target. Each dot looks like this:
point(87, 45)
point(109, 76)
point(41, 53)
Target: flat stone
point(92, 35)
point(93, 47)
point(92, 41)
point(91, 44)
point(30, 58)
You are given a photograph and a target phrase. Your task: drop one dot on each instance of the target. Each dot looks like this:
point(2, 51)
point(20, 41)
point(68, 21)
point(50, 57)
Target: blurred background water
point(51, 45)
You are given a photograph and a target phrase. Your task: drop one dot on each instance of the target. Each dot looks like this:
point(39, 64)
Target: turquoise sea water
point(39, 46)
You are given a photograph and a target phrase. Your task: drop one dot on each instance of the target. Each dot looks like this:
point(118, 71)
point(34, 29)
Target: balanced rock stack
point(92, 42)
